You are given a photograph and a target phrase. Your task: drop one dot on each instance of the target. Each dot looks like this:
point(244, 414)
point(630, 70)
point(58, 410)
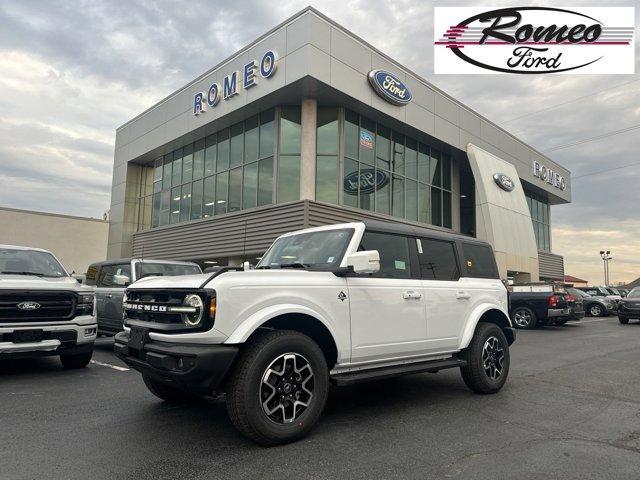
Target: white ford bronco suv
point(334, 304)
point(43, 310)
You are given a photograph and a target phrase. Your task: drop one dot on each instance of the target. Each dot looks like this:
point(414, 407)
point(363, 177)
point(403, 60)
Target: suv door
point(388, 307)
point(447, 302)
point(110, 295)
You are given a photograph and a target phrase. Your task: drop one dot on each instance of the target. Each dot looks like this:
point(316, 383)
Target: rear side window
point(438, 260)
point(479, 261)
point(92, 275)
point(107, 273)
point(394, 253)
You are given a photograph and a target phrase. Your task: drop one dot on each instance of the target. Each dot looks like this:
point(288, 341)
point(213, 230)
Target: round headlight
point(193, 319)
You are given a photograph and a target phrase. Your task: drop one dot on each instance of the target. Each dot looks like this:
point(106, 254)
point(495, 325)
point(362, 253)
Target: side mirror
point(364, 262)
point(121, 280)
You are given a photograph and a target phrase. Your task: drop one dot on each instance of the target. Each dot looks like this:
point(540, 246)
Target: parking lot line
point(108, 365)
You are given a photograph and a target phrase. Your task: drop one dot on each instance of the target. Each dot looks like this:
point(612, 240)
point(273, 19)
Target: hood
point(181, 281)
point(32, 282)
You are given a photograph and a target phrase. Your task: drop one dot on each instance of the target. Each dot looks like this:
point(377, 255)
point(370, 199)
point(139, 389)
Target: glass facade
point(540, 215)
point(230, 170)
point(359, 163)
point(382, 170)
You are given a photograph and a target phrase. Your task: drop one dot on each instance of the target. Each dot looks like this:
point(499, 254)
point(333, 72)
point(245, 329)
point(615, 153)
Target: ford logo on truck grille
point(29, 305)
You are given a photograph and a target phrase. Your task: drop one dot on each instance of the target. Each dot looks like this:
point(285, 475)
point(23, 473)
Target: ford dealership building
point(311, 125)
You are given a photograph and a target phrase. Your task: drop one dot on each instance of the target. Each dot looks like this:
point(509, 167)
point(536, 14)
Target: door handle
point(108, 295)
point(411, 295)
point(463, 296)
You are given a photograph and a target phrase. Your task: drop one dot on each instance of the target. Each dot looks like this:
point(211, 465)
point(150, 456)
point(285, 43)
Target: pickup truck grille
point(36, 306)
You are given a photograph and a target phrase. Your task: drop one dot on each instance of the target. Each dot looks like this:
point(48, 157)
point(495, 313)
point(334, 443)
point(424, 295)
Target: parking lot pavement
point(571, 409)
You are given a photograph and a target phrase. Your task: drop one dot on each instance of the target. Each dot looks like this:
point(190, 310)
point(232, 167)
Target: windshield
point(323, 249)
point(146, 269)
point(613, 291)
point(635, 293)
point(29, 262)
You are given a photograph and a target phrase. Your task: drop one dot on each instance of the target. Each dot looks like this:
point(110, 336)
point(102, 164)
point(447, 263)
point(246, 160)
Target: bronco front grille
point(161, 310)
point(36, 306)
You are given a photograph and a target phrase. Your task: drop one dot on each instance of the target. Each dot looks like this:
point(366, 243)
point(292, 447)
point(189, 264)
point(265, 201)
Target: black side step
point(349, 378)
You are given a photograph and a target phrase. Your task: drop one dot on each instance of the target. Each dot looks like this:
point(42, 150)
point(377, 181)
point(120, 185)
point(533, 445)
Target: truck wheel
point(524, 317)
point(623, 320)
point(166, 392)
point(595, 310)
point(73, 362)
point(487, 359)
point(279, 387)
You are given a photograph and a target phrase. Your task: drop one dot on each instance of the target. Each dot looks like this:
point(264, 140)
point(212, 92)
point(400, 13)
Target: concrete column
point(308, 149)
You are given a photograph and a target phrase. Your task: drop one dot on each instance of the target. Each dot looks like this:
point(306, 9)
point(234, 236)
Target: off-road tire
point(623, 320)
point(527, 311)
point(77, 361)
point(167, 392)
point(473, 373)
point(243, 390)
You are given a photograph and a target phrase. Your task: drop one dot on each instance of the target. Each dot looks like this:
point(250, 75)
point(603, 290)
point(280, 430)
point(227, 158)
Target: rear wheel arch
point(487, 314)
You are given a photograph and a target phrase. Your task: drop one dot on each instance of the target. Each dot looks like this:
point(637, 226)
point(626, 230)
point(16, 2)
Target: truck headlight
point(85, 304)
point(193, 319)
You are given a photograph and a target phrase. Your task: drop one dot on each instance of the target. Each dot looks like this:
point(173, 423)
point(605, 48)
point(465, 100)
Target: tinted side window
point(92, 275)
point(438, 260)
point(394, 253)
point(479, 261)
point(107, 272)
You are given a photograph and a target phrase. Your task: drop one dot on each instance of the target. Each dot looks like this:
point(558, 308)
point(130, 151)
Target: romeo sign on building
point(247, 77)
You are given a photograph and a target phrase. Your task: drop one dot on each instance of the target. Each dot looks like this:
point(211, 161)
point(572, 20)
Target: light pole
point(606, 256)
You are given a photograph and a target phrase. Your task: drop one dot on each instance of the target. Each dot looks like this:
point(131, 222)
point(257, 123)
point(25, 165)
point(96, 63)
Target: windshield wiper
point(295, 265)
point(37, 274)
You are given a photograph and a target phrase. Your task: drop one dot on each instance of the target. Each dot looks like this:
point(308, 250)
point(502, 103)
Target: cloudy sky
point(73, 71)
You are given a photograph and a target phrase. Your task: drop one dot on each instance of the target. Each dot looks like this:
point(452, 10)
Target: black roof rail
point(220, 272)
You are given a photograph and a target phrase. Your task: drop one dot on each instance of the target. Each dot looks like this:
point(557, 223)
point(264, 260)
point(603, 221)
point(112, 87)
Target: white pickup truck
point(335, 304)
point(43, 310)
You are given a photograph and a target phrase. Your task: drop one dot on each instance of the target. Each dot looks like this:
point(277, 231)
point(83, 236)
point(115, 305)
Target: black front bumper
point(189, 367)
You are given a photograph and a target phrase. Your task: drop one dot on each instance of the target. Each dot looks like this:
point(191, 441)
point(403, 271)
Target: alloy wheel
point(522, 318)
point(595, 310)
point(493, 358)
point(287, 388)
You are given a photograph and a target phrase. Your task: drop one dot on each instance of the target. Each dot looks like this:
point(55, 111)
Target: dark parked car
point(529, 309)
point(594, 306)
point(629, 307)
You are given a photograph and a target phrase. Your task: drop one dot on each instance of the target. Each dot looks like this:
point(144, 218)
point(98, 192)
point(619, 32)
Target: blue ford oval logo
point(368, 180)
point(504, 182)
point(390, 87)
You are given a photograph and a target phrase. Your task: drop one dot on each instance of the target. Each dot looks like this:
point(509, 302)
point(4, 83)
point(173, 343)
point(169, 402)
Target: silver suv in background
point(110, 278)
point(43, 310)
